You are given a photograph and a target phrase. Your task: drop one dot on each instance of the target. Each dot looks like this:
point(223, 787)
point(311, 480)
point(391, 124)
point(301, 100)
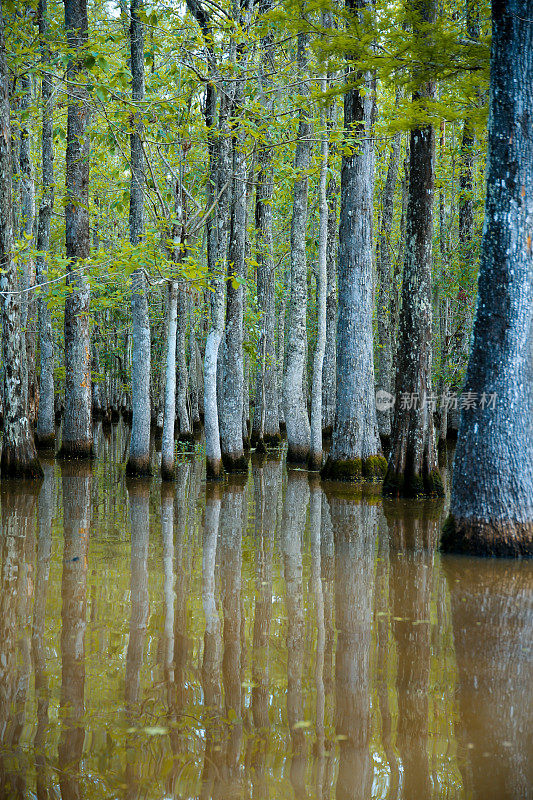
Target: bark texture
point(45, 428)
point(384, 299)
point(491, 509)
point(412, 468)
point(265, 425)
point(167, 444)
point(315, 458)
point(295, 411)
point(356, 449)
point(18, 448)
point(139, 455)
point(77, 431)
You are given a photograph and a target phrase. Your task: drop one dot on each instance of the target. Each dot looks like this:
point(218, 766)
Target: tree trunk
point(295, 411)
point(220, 170)
point(182, 376)
point(45, 429)
point(491, 509)
point(315, 458)
point(18, 451)
point(233, 368)
point(412, 468)
point(384, 300)
point(169, 418)
point(329, 369)
point(265, 425)
point(356, 449)
point(27, 208)
point(77, 431)
point(139, 455)
point(194, 368)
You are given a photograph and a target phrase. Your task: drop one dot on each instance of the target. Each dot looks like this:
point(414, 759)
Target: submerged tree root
point(235, 462)
point(481, 538)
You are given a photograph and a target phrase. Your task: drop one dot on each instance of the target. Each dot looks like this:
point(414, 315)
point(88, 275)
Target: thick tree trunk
point(295, 411)
point(18, 449)
point(265, 425)
point(356, 449)
point(329, 368)
point(217, 232)
point(194, 368)
point(27, 214)
point(491, 509)
point(45, 428)
point(384, 300)
point(139, 455)
point(169, 418)
point(77, 431)
point(182, 375)
point(233, 368)
point(315, 458)
point(412, 468)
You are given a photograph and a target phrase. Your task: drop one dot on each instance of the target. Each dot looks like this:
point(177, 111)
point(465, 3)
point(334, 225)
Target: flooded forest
point(266, 399)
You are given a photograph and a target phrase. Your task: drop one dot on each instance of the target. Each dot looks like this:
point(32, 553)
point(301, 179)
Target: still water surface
point(268, 638)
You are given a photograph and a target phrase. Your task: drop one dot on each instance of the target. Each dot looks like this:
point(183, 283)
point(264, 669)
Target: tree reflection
point(76, 485)
point(232, 521)
point(292, 529)
point(42, 571)
point(16, 587)
point(492, 612)
point(355, 527)
point(267, 486)
point(413, 533)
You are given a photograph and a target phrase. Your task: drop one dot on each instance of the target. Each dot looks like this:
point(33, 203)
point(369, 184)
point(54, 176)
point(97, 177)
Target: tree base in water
point(350, 469)
point(45, 441)
point(315, 462)
point(213, 469)
point(168, 472)
point(20, 462)
point(235, 462)
point(138, 467)
point(268, 439)
point(78, 449)
point(355, 469)
point(411, 485)
point(481, 538)
point(298, 456)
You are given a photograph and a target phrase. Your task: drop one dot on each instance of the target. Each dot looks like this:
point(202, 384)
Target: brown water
point(261, 639)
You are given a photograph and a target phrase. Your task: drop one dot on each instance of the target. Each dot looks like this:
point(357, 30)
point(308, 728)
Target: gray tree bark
point(315, 457)
point(412, 468)
point(18, 449)
point(265, 424)
point(356, 449)
point(45, 428)
point(169, 418)
point(384, 300)
point(182, 375)
point(77, 430)
point(139, 455)
point(294, 406)
point(329, 368)
point(491, 509)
